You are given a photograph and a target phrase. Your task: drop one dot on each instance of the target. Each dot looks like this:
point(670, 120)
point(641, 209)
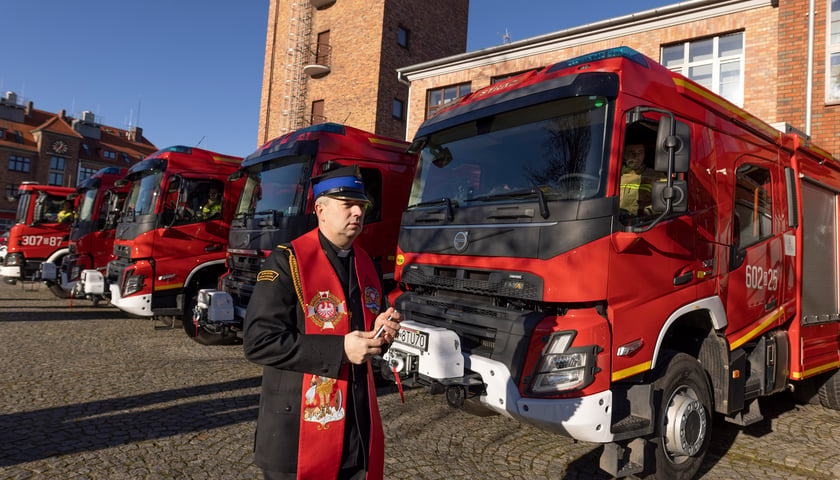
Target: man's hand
point(390, 319)
point(360, 346)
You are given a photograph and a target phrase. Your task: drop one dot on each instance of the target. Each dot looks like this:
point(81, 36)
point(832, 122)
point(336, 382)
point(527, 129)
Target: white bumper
point(140, 305)
point(583, 418)
point(10, 272)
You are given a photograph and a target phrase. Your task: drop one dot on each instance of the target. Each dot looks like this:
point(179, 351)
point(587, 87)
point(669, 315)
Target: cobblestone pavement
point(91, 393)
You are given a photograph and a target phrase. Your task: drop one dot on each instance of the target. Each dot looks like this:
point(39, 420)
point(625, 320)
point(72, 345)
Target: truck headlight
point(563, 368)
point(134, 284)
point(14, 259)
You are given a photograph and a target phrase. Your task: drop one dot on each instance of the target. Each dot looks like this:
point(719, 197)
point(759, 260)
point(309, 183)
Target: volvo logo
point(461, 241)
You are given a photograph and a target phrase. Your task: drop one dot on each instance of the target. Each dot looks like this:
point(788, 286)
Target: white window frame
point(716, 62)
point(831, 50)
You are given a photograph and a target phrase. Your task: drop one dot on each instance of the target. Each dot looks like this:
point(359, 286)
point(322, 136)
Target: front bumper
point(140, 305)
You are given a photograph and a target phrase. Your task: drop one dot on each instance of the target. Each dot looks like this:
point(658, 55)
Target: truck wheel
point(683, 417)
point(56, 289)
point(207, 335)
point(830, 391)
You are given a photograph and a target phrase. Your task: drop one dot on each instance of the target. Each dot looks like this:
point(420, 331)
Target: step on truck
point(276, 207)
point(171, 238)
point(98, 202)
point(40, 234)
point(530, 288)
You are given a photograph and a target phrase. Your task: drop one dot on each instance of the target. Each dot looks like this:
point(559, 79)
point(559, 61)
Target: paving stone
point(93, 393)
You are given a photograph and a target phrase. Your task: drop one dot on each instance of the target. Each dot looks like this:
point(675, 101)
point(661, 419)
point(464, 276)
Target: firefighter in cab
point(65, 215)
point(213, 207)
point(636, 184)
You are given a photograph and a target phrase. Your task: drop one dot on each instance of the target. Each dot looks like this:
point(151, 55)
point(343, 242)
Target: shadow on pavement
point(40, 434)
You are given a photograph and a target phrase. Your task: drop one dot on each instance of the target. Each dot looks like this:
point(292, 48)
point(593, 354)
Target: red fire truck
point(533, 289)
point(171, 237)
point(276, 207)
point(38, 236)
point(91, 247)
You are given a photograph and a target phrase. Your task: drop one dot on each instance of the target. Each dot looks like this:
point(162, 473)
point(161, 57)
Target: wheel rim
point(684, 425)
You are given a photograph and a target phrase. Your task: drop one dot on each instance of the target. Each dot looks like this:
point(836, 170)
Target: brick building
point(56, 149)
point(336, 60)
point(752, 52)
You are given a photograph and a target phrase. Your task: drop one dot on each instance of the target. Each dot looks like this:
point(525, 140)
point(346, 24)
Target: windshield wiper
point(269, 212)
point(450, 204)
point(517, 193)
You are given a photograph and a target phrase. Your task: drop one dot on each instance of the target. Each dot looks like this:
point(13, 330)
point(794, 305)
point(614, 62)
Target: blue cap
point(344, 183)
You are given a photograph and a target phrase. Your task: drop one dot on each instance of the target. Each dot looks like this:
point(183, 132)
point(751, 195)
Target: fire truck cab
point(625, 303)
point(39, 235)
point(276, 206)
point(98, 203)
point(170, 241)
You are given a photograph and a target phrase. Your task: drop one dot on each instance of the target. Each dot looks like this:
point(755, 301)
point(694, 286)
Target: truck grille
point(239, 283)
point(520, 285)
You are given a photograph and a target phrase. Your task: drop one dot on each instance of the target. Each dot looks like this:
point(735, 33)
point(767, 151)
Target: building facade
point(752, 52)
point(56, 149)
point(336, 60)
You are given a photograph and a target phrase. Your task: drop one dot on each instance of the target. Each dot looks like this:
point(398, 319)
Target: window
point(437, 97)
point(19, 164)
point(18, 136)
point(85, 173)
point(317, 115)
point(833, 75)
point(2, 132)
point(753, 205)
point(56, 171)
point(716, 63)
point(403, 35)
point(109, 154)
point(86, 148)
point(397, 109)
point(372, 179)
point(11, 191)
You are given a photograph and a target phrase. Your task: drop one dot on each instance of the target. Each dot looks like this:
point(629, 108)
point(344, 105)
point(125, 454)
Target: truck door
point(752, 286)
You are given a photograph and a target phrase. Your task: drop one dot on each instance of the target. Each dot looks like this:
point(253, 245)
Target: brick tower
point(336, 60)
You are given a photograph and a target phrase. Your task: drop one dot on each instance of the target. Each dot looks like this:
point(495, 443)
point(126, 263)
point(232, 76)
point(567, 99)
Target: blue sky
point(189, 72)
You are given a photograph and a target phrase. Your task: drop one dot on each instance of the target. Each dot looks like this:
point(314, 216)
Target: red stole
point(324, 400)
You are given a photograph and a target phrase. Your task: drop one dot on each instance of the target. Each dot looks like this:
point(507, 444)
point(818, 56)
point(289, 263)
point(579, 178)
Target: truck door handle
point(771, 304)
point(683, 278)
point(214, 248)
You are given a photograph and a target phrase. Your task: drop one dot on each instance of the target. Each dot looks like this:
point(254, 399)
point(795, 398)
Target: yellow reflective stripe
point(758, 329)
point(815, 370)
point(635, 186)
point(629, 372)
point(168, 287)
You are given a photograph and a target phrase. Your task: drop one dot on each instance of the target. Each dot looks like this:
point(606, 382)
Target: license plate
point(413, 338)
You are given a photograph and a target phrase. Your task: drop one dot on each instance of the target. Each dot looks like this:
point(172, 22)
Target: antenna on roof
point(505, 36)
point(139, 101)
point(199, 142)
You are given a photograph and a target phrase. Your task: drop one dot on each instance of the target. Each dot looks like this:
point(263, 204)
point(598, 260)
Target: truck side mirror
point(680, 142)
point(678, 193)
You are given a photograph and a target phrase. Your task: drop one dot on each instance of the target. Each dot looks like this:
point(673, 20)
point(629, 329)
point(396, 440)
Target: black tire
point(206, 335)
point(683, 417)
point(830, 391)
point(56, 289)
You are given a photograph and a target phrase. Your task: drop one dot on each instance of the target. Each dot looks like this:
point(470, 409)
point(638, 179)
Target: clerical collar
point(342, 253)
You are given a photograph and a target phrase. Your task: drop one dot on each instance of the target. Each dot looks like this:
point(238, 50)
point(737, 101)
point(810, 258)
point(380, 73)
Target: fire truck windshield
point(84, 212)
point(276, 187)
point(554, 151)
point(143, 194)
point(23, 207)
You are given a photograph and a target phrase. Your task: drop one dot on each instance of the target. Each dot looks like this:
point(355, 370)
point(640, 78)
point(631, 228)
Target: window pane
point(673, 55)
point(835, 22)
point(450, 93)
point(730, 82)
point(834, 85)
point(730, 45)
point(701, 51)
point(701, 74)
point(464, 90)
point(435, 97)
